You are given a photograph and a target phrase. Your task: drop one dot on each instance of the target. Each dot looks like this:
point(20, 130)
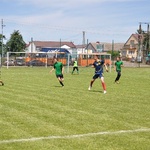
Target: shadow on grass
point(96, 91)
point(58, 86)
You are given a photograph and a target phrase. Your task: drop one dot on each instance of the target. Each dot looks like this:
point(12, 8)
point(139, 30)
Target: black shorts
point(60, 76)
point(99, 75)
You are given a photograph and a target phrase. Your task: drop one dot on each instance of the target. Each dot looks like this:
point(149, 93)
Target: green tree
point(114, 54)
point(15, 43)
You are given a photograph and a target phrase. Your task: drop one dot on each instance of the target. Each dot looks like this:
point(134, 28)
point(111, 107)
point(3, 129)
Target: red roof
point(53, 44)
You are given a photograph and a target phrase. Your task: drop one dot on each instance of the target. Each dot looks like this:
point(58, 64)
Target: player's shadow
point(96, 91)
point(58, 86)
point(75, 74)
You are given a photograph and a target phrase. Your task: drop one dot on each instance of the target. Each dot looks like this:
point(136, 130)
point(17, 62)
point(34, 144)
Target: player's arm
point(122, 65)
point(115, 67)
point(52, 70)
point(106, 67)
point(92, 66)
point(62, 69)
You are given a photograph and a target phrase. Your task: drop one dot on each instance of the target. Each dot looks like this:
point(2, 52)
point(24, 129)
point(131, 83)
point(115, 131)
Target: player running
point(117, 68)
point(75, 67)
point(98, 65)
point(59, 70)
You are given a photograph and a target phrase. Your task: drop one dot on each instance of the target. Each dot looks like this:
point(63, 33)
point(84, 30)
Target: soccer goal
point(42, 59)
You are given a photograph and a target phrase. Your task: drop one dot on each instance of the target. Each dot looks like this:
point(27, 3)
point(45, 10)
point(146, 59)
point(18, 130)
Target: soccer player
point(98, 65)
point(117, 68)
point(1, 82)
point(75, 67)
point(59, 70)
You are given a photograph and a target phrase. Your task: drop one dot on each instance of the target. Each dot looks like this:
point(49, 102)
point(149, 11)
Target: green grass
point(33, 104)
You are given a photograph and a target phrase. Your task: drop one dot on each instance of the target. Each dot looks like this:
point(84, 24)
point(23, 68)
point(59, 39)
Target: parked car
point(148, 59)
point(139, 59)
point(35, 63)
point(9, 63)
point(19, 62)
point(132, 59)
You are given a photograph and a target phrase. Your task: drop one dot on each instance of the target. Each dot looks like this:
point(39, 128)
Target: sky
point(66, 20)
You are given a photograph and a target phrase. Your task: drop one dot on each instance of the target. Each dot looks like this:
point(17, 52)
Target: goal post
point(42, 59)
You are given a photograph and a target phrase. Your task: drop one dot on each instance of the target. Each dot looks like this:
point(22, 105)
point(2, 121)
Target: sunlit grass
point(33, 104)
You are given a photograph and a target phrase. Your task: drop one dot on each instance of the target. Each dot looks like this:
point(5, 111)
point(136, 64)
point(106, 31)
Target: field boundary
point(75, 136)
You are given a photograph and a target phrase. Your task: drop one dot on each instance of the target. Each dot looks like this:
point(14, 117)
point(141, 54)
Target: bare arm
point(62, 70)
point(106, 67)
point(51, 70)
point(114, 67)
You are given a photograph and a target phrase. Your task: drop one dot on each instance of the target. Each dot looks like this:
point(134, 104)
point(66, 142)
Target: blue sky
point(52, 20)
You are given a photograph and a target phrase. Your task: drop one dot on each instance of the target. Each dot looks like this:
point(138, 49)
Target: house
point(131, 47)
point(113, 46)
point(37, 46)
point(97, 47)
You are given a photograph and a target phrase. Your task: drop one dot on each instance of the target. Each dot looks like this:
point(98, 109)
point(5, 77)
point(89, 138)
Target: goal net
point(42, 59)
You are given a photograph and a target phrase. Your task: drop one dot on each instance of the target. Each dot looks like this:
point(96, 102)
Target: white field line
point(74, 136)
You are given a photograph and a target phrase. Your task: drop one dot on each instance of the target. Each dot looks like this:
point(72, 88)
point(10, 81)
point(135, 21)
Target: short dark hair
point(55, 58)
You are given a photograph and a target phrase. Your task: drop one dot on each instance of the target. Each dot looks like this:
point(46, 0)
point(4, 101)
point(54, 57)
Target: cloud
point(100, 19)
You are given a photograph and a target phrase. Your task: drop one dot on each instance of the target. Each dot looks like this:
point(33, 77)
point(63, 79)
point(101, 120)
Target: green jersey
point(75, 64)
point(118, 65)
point(58, 68)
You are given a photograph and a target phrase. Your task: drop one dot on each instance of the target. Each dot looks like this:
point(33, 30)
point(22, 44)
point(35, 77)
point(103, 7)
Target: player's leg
point(61, 79)
point(73, 70)
point(77, 70)
point(1, 82)
point(103, 84)
point(118, 76)
point(92, 81)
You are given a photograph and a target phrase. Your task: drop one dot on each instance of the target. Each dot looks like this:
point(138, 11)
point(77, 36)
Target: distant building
point(97, 47)
point(38, 46)
point(131, 47)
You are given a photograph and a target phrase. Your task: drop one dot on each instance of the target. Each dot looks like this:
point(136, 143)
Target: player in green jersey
point(117, 68)
point(59, 70)
point(75, 67)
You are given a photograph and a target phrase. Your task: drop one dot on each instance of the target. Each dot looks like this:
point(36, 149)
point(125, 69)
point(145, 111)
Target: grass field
point(36, 113)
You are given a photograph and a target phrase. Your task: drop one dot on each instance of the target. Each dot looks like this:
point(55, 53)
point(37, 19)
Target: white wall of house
point(80, 50)
point(31, 48)
point(132, 50)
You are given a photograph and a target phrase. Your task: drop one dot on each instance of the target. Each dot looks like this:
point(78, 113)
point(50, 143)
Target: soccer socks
point(61, 83)
point(91, 83)
point(104, 86)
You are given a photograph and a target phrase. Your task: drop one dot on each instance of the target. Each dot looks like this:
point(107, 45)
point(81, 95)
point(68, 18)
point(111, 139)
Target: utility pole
point(31, 45)
point(148, 33)
point(83, 42)
point(2, 25)
point(112, 53)
point(87, 53)
point(139, 43)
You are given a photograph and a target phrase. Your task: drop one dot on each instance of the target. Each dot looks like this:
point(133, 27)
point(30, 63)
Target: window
point(131, 52)
point(132, 44)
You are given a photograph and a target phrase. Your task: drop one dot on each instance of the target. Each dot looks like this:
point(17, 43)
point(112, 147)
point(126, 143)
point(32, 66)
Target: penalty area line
point(74, 136)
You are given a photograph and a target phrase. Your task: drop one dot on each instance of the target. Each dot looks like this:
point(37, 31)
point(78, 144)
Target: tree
point(15, 43)
point(114, 54)
point(145, 41)
point(1, 36)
